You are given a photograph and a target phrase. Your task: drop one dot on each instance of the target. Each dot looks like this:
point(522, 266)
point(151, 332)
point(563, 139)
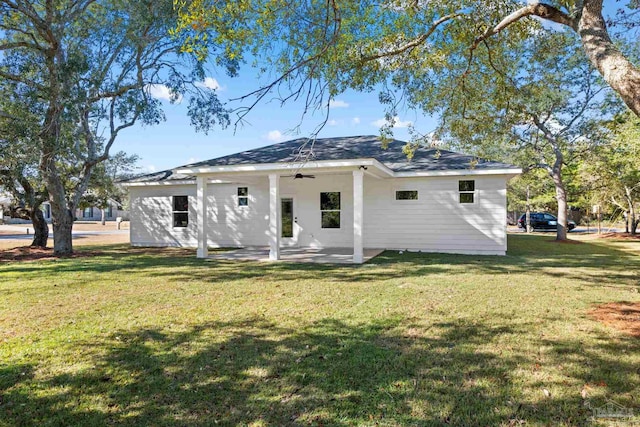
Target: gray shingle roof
point(342, 148)
point(162, 176)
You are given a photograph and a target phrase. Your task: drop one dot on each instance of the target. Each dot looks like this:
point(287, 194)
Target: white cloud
point(332, 122)
point(433, 139)
point(275, 136)
point(355, 120)
point(209, 83)
point(151, 168)
point(337, 103)
point(192, 160)
point(160, 91)
point(397, 123)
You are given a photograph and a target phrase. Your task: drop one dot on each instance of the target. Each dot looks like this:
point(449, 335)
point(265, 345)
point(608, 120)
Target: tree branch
point(542, 10)
point(413, 43)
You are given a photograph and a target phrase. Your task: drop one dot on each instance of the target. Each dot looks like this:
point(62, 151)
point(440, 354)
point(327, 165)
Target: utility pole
point(528, 214)
point(597, 212)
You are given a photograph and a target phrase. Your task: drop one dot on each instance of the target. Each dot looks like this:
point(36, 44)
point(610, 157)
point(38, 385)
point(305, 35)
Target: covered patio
point(280, 247)
point(311, 255)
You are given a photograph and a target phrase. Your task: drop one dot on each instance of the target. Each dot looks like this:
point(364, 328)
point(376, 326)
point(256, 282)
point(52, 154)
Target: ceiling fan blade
point(299, 176)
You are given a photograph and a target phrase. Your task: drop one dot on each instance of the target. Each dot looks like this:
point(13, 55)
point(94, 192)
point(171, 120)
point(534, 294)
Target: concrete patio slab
point(313, 255)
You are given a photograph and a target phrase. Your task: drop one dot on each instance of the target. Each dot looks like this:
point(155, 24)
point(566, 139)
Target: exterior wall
point(97, 214)
point(151, 216)
point(306, 193)
point(230, 225)
point(436, 222)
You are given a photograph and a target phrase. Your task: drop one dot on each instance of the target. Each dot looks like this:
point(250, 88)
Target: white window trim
point(331, 210)
point(237, 197)
point(402, 201)
point(474, 192)
point(173, 212)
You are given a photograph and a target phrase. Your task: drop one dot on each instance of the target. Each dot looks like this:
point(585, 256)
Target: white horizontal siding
point(435, 222)
point(230, 225)
point(151, 217)
point(306, 193)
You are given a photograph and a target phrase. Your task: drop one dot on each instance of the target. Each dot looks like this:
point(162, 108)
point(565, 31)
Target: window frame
point(175, 212)
point(339, 211)
point(240, 197)
point(462, 192)
point(46, 211)
point(402, 190)
point(88, 209)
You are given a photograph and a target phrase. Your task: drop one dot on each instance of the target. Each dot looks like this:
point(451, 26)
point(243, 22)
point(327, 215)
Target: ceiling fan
point(300, 176)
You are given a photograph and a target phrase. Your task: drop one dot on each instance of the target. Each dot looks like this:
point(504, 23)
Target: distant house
point(113, 211)
point(339, 193)
point(5, 202)
point(92, 213)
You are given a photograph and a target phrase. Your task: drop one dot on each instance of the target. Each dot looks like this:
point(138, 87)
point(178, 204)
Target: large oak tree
point(317, 45)
point(84, 70)
point(502, 74)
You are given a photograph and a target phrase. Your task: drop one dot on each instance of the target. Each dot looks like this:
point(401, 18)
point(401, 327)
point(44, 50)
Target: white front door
point(289, 220)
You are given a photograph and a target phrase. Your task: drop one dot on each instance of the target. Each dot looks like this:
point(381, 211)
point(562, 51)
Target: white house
point(332, 193)
point(111, 212)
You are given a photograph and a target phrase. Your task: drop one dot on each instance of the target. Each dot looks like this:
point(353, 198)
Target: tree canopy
point(613, 169)
point(428, 50)
point(500, 76)
point(81, 72)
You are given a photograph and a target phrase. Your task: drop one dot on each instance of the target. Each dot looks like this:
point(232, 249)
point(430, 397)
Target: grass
point(158, 337)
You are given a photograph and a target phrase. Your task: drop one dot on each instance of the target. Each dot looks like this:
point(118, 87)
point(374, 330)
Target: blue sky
point(174, 142)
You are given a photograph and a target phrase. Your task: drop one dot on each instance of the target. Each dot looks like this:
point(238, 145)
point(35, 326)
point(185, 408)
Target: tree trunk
point(627, 221)
point(40, 228)
point(61, 214)
point(615, 68)
point(62, 227)
point(631, 223)
point(103, 216)
point(561, 197)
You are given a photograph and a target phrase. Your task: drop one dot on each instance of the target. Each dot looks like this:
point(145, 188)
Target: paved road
point(25, 236)
point(578, 230)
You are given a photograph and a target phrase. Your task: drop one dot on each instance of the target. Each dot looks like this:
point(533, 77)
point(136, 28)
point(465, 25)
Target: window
point(46, 211)
point(180, 211)
point(407, 195)
point(467, 191)
point(108, 212)
point(243, 196)
point(330, 209)
point(287, 217)
point(87, 213)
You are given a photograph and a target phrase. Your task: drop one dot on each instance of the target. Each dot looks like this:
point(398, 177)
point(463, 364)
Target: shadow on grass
point(589, 262)
point(328, 373)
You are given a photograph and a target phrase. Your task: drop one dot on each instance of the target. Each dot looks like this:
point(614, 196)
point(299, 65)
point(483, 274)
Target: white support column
point(274, 217)
point(358, 216)
point(201, 193)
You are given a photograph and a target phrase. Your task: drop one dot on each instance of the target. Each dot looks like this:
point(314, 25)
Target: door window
point(287, 218)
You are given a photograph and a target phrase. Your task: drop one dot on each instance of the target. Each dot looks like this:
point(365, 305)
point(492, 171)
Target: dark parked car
point(543, 221)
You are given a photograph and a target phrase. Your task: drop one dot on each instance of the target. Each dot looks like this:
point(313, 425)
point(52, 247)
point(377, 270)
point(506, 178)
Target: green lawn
point(158, 337)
